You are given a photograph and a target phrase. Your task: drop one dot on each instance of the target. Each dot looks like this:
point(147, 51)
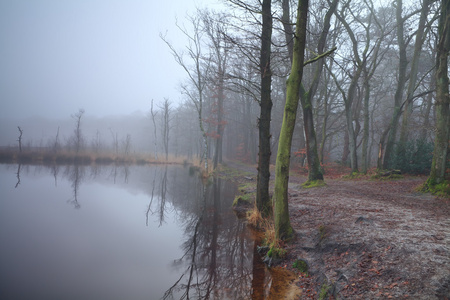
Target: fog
point(103, 56)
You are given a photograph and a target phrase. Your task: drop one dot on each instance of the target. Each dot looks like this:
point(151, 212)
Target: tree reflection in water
point(75, 174)
point(217, 261)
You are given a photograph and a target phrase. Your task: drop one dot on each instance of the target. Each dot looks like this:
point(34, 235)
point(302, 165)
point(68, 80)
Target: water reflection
point(18, 175)
point(217, 260)
point(214, 251)
point(75, 175)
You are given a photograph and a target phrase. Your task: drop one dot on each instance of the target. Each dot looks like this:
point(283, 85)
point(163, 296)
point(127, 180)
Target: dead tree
point(20, 138)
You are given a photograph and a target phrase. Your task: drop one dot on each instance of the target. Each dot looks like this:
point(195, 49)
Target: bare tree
point(153, 114)
point(20, 138)
point(127, 144)
point(115, 141)
point(56, 143)
point(197, 72)
point(78, 136)
point(166, 118)
point(216, 31)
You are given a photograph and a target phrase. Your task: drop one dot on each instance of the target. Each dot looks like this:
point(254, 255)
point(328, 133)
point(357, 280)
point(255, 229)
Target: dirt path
point(365, 239)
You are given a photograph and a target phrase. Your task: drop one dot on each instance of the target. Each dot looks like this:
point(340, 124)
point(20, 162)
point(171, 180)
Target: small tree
point(56, 143)
point(20, 138)
point(166, 112)
point(115, 141)
point(197, 72)
point(153, 114)
point(127, 144)
point(78, 136)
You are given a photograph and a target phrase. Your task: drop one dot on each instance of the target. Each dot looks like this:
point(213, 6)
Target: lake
point(122, 232)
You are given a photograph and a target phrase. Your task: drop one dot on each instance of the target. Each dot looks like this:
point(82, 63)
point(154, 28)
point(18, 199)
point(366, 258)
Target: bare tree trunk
point(403, 62)
point(153, 113)
point(166, 126)
point(306, 97)
point(426, 123)
point(441, 142)
point(283, 229)
point(197, 75)
point(78, 136)
point(365, 142)
point(20, 138)
point(414, 71)
point(262, 190)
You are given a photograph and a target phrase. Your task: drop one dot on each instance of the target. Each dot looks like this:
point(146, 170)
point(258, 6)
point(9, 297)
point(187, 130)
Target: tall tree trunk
point(312, 155)
point(220, 122)
point(306, 97)
point(426, 122)
point(262, 189)
point(365, 143)
point(287, 27)
point(440, 155)
point(403, 62)
point(414, 71)
point(283, 229)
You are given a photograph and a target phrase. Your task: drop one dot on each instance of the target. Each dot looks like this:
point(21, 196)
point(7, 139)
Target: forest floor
point(367, 239)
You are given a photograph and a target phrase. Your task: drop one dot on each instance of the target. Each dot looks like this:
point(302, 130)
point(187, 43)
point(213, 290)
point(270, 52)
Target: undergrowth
point(441, 189)
point(276, 246)
point(313, 183)
point(301, 265)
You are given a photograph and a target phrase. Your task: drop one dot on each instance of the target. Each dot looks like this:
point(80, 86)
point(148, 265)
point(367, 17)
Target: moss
point(314, 183)
point(276, 252)
point(389, 177)
point(229, 173)
point(322, 232)
point(354, 175)
point(324, 290)
point(301, 265)
point(244, 187)
point(439, 189)
point(243, 199)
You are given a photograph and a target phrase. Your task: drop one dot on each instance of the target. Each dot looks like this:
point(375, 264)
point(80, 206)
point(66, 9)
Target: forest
point(373, 86)
point(369, 93)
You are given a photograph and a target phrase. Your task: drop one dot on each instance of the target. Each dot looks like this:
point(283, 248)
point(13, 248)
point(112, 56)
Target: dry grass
point(255, 219)
point(44, 156)
point(267, 226)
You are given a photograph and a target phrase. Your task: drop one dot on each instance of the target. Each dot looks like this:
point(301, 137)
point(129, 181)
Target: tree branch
point(319, 56)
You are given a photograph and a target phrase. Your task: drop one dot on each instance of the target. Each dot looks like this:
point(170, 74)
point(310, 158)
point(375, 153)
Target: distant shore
point(39, 156)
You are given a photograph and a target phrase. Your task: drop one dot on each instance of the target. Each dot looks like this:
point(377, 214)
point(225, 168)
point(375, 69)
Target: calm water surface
point(141, 232)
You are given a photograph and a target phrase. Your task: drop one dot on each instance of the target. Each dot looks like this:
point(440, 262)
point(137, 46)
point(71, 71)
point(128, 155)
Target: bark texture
point(283, 229)
point(439, 163)
point(262, 190)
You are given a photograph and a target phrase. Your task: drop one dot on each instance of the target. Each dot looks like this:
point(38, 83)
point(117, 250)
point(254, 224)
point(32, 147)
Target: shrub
point(413, 157)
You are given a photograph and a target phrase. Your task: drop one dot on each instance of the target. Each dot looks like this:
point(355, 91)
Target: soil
point(367, 239)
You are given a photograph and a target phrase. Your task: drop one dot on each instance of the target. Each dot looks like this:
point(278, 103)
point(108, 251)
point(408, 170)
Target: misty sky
point(104, 56)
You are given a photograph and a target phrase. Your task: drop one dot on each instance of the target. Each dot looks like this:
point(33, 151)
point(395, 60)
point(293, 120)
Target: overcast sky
point(104, 56)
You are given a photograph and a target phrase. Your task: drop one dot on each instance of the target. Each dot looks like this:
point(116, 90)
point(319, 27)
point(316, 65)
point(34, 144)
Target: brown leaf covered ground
point(373, 239)
point(370, 239)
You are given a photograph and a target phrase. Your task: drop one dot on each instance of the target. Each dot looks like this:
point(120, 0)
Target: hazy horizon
point(103, 56)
